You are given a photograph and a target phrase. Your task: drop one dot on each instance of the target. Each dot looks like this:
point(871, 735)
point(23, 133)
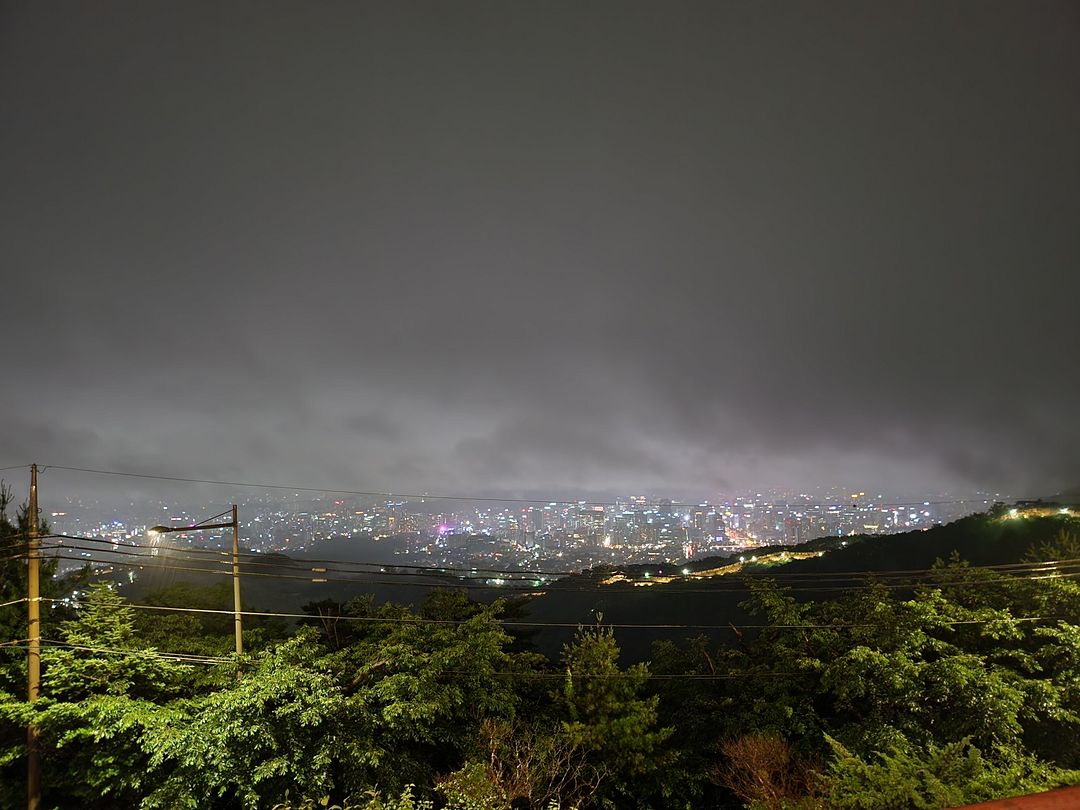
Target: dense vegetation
point(962, 688)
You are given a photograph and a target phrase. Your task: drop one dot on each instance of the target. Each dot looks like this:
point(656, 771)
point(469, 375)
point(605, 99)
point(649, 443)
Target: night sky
point(544, 248)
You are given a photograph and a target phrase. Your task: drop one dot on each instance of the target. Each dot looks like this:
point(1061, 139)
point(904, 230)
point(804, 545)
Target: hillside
point(705, 600)
point(979, 539)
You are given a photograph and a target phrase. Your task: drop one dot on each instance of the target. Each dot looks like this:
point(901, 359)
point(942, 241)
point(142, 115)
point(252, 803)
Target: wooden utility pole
point(33, 581)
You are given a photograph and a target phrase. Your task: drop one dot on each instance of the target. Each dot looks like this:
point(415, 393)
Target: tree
point(523, 765)
point(929, 777)
point(607, 714)
point(280, 728)
point(102, 688)
point(762, 771)
point(892, 679)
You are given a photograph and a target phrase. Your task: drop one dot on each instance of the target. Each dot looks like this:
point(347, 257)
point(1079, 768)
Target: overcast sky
point(544, 247)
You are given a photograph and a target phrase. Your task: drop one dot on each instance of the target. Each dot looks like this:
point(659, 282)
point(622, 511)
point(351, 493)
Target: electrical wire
point(441, 497)
point(185, 657)
point(264, 556)
point(313, 576)
point(182, 658)
point(169, 559)
point(621, 588)
point(422, 620)
point(345, 566)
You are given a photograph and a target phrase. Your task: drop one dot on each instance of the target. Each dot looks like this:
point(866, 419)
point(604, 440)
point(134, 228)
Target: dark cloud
point(375, 425)
point(513, 248)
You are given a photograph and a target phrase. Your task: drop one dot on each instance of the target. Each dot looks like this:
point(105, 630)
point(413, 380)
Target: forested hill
point(706, 601)
point(978, 539)
point(711, 606)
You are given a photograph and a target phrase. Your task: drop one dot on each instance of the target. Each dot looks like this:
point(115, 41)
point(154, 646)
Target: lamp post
point(235, 526)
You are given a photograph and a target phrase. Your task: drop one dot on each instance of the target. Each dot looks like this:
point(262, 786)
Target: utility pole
point(236, 581)
point(234, 525)
point(33, 580)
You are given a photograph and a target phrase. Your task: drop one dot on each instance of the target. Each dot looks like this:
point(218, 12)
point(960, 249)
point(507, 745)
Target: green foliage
point(609, 715)
point(278, 728)
point(964, 688)
point(930, 777)
point(375, 801)
point(101, 655)
point(13, 631)
point(423, 690)
point(101, 693)
point(1063, 546)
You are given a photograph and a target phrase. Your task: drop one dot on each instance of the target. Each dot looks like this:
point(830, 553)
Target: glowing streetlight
point(156, 531)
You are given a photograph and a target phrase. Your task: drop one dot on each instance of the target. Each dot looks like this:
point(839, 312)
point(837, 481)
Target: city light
point(568, 536)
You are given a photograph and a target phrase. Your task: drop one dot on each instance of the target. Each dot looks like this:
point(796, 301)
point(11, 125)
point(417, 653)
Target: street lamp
point(235, 526)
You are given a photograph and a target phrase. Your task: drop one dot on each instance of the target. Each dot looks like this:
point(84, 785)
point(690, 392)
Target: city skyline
point(461, 533)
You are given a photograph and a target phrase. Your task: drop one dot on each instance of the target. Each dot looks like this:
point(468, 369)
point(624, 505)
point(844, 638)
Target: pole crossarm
point(196, 528)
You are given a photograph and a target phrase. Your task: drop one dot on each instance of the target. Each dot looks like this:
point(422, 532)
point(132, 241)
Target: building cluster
point(500, 535)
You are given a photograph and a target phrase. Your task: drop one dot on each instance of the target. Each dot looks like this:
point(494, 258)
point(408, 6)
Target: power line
point(347, 566)
point(184, 657)
point(646, 676)
point(608, 590)
point(312, 575)
point(422, 620)
point(178, 554)
point(265, 556)
point(179, 657)
point(323, 490)
point(935, 577)
point(442, 497)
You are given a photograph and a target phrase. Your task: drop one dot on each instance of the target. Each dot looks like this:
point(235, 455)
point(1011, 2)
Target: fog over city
point(543, 250)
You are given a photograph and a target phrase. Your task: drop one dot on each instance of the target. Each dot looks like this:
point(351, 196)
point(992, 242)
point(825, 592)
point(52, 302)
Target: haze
point(530, 248)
